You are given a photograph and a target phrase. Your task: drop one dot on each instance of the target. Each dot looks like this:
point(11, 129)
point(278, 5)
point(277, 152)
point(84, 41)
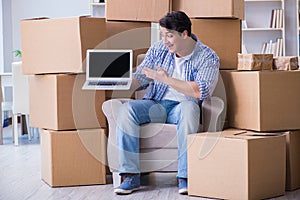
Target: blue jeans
point(131, 115)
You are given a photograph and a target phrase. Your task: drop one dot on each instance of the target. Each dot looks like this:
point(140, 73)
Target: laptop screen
point(109, 64)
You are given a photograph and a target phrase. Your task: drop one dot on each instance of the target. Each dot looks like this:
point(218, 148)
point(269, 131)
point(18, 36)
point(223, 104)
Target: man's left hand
point(160, 74)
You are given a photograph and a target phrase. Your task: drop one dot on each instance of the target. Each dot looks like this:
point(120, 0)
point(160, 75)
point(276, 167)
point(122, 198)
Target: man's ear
point(184, 34)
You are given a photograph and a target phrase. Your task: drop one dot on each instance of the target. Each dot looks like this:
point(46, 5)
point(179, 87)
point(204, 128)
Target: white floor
point(20, 179)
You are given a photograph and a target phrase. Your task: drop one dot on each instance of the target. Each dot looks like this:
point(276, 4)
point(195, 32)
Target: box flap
point(37, 18)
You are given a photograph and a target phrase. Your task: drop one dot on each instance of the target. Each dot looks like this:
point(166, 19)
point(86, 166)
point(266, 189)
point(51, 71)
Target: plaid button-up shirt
point(202, 67)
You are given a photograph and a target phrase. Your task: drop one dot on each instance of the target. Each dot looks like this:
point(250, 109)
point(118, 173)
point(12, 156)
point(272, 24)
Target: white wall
point(1, 36)
point(21, 9)
point(7, 35)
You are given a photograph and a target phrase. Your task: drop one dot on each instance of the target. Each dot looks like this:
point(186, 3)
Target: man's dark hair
point(177, 21)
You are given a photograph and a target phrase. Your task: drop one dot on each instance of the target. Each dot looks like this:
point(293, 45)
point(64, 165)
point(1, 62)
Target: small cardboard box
point(286, 63)
point(59, 45)
point(57, 102)
point(293, 160)
point(137, 10)
point(262, 100)
point(211, 8)
point(255, 61)
point(71, 158)
point(236, 165)
point(223, 36)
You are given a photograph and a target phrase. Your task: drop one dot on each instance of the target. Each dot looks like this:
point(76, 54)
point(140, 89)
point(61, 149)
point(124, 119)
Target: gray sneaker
point(131, 183)
point(182, 186)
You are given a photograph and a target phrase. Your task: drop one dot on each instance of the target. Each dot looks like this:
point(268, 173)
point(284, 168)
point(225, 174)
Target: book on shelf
point(244, 24)
point(275, 48)
point(244, 49)
point(276, 18)
point(273, 19)
point(280, 18)
point(263, 48)
point(280, 47)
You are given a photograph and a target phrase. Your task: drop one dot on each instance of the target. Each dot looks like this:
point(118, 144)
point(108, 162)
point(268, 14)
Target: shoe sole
point(122, 191)
point(183, 191)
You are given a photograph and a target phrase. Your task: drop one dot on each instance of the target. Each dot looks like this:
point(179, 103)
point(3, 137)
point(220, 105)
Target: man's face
point(172, 39)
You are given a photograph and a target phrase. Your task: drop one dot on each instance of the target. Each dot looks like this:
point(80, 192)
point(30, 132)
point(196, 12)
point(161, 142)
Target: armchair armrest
point(110, 110)
point(213, 114)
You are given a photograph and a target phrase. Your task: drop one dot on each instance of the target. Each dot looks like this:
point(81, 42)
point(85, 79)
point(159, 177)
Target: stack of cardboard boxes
point(234, 164)
point(72, 125)
point(250, 161)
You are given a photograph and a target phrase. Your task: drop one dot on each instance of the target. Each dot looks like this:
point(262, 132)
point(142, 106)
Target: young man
point(180, 72)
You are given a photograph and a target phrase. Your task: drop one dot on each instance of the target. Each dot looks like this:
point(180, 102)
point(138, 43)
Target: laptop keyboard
point(108, 83)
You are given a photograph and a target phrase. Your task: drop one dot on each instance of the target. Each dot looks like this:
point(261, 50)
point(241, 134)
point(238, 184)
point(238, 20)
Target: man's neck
point(188, 48)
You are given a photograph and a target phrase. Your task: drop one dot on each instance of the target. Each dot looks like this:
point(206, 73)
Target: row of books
point(275, 48)
point(277, 18)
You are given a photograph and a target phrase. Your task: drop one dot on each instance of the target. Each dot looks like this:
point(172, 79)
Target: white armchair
point(158, 142)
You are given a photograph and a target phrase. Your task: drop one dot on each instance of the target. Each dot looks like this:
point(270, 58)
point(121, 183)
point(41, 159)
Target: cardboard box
point(57, 102)
point(236, 165)
point(293, 160)
point(255, 61)
point(71, 158)
point(286, 63)
point(59, 45)
point(137, 10)
point(128, 35)
point(211, 8)
point(262, 100)
point(223, 36)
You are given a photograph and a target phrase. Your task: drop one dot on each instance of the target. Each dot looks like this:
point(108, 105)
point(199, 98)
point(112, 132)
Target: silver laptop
point(108, 69)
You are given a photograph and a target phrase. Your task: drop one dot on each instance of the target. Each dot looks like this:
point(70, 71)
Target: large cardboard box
point(223, 36)
point(211, 8)
point(262, 100)
point(137, 10)
point(127, 35)
point(58, 102)
point(71, 158)
point(236, 165)
point(59, 45)
point(293, 160)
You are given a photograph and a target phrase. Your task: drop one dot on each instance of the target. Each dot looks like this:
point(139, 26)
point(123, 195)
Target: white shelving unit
point(97, 9)
point(258, 16)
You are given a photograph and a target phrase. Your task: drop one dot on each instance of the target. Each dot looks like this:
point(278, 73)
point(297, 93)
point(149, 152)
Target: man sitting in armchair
point(180, 72)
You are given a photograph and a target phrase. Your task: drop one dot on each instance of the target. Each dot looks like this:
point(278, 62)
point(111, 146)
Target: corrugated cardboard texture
point(71, 158)
point(236, 166)
point(137, 10)
point(223, 36)
point(211, 8)
point(59, 45)
point(57, 102)
point(262, 100)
